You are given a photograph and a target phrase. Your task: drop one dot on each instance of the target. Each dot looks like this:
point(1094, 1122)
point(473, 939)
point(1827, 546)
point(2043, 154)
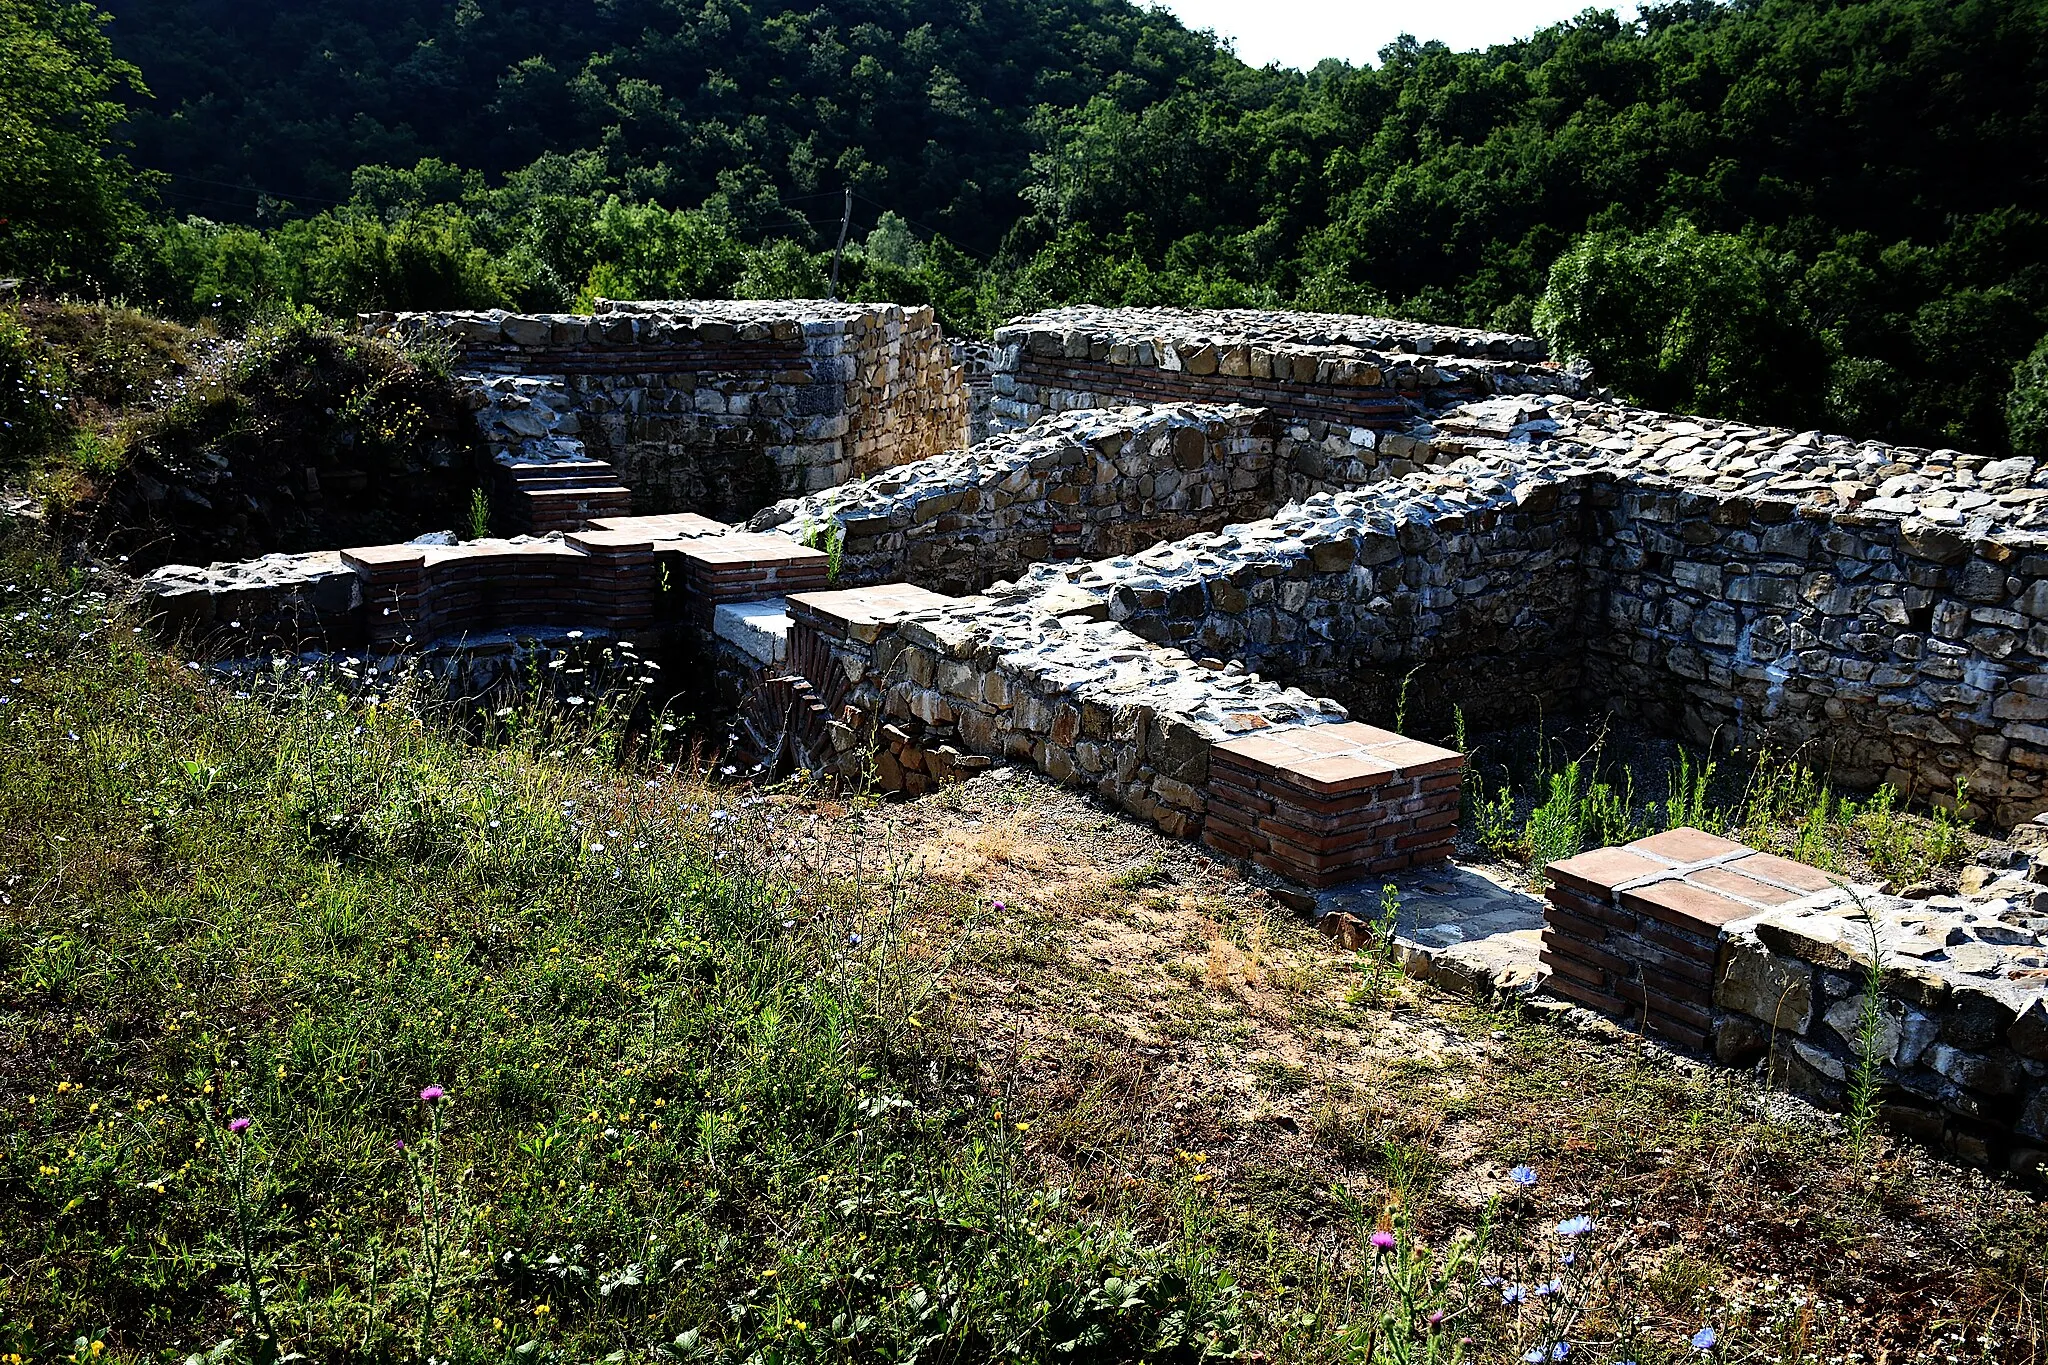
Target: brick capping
point(1715, 946)
point(1325, 804)
point(1640, 925)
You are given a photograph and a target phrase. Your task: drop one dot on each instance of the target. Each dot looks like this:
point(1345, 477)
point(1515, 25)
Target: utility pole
point(845, 221)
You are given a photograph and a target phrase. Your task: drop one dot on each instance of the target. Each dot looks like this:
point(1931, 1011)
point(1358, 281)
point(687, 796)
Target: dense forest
point(1817, 212)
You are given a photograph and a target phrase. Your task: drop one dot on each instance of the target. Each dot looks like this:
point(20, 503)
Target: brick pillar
point(1325, 804)
point(394, 592)
point(1636, 930)
point(619, 588)
point(746, 566)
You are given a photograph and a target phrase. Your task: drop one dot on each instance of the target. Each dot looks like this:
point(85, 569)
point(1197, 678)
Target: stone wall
point(1357, 371)
point(714, 407)
point(1726, 584)
point(1088, 484)
point(1962, 1019)
point(1084, 701)
point(1881, 609)
point(619, 576)
point(1471, 573)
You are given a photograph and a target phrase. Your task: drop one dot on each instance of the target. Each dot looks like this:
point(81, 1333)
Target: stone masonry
point(1372, 373)
point(712, 407)
point(1077, 486)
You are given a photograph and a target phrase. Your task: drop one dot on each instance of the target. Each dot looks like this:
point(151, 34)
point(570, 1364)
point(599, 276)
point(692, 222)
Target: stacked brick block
point(1637, 930)
point(598, 580)
point(745, 567)
point(1325, 804)
point(536, 497)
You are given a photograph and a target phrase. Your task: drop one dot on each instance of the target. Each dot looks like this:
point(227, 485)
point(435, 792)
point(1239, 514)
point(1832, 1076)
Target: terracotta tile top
point(1783, 871)
point(749, 547)
point(672, 526)
point(612, 541)
point(1725, 878)
point(883, 602)
point(1687, 906)
point(386, 556)
point(1687, 845)
point(495, 551)
point(1597, 873)
point(1332, 759)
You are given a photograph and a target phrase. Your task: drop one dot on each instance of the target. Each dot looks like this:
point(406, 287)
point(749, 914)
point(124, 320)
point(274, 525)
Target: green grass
point(1550, 806)
point(690, 1100)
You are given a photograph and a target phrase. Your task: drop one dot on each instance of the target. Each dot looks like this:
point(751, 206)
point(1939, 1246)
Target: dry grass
point(1183, 1010)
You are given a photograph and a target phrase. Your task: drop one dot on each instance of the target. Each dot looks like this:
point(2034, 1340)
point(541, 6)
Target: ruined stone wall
point(1880, 609)
point(1084, 701)
point(1095, 483)
point(1353, 371)
point(1722, 583)
point(714, 407)
point(1962, 1036)
point(293, 601)
point(1471, 573)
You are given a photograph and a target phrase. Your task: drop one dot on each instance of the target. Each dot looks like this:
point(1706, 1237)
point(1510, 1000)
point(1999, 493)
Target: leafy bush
point(2026, 410)
point(67, 204)
point(1684, 320)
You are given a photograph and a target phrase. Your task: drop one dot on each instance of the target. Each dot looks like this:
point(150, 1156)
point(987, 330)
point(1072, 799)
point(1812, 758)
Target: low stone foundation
point(1086, 484)
point(1768, 961)
point(1363, 372)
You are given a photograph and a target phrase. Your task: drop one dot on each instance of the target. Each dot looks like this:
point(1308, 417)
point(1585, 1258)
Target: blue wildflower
point(1534, 1355)
point(1513, 1293)
point(1544, 1291)
point(1559, 1351)
point(1524, 1176)
point(1704, 1339)
point(1575, 1227)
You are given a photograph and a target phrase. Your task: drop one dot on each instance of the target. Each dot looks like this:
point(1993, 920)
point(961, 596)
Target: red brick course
point(1636, 930)
point(1324, 804)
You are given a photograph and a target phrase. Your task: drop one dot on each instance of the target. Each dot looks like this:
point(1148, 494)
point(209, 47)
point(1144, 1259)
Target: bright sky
point(1300, 33)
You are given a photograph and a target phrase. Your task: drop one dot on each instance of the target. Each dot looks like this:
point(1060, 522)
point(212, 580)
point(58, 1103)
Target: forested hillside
point(1816, 213)
point(923, 107)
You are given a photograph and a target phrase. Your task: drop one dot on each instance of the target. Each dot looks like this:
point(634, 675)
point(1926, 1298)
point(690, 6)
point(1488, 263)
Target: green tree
point(2026, 410)
point(68, 200)
point(1685, 320)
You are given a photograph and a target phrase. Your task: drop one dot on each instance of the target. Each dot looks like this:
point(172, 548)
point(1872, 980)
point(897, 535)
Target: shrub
point(33, 421)
point(2026, 410)
point(1685, 320)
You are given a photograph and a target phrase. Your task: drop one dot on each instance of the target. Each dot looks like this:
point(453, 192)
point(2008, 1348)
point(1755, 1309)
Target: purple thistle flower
point(1525, 1176)
point(238, 1126)
point(432, 1093)
point(1383, 1241)
point(1436, 1318)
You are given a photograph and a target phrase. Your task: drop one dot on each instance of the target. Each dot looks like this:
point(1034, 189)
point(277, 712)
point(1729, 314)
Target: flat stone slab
point(1469, 930)
point(760, 630)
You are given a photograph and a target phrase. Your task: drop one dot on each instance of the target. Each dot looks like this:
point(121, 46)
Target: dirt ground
point(1147, 1007)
